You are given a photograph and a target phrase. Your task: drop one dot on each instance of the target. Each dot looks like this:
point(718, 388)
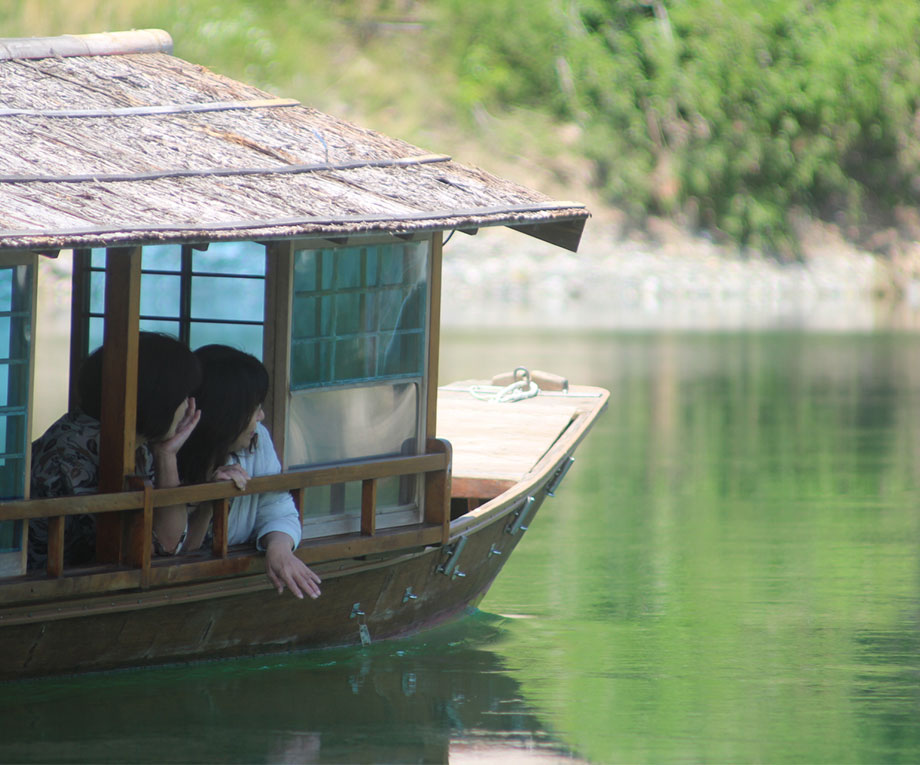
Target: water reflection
point(729, 573)
point(444, 696)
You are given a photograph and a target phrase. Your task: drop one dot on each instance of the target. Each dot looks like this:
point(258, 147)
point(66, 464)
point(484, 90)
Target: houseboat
point(198, 206)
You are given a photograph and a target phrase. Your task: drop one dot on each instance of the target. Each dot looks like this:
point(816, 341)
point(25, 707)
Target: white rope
point(517, 391)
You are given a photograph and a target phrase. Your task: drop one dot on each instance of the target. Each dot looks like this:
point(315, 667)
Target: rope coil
point(519, 390)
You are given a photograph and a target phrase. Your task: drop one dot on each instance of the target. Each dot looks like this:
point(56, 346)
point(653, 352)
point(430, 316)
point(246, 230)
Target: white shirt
point(252, 516)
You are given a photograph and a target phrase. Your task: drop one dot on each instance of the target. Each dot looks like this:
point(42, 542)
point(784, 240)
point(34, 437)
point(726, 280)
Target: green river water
point(729, 574)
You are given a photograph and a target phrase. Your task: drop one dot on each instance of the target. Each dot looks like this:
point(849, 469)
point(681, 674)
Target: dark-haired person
point(231, 444)
point(65, 459)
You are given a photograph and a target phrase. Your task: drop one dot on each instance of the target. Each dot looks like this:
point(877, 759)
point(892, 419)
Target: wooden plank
point(79, 504)
point(501, 441)
point(318, 476)
point(479, 488)
point(119, 389)
point(220, 527)
point(434, 336)
point(437, 491)
point(73, 583)
point(139, 530)
point(368, 507)
point(79, 320)
point(55, 565)
point(109, 503)
point(299, 496)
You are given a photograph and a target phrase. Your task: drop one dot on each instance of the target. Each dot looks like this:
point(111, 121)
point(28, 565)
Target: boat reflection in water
point(440, 696)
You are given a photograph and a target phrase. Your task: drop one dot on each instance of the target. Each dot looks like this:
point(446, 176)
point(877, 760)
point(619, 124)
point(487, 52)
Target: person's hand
point(234, 472)
point(286, 569)
point(187, 423)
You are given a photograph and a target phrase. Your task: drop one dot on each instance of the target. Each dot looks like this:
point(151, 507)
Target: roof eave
point(561, 226)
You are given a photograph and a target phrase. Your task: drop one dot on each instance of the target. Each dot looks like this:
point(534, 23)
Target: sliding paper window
point(16, 304)
point(358, 354)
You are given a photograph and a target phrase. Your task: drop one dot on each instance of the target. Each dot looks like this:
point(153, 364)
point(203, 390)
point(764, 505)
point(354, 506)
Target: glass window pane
point(5, 323)
point(338, 423)
point(218, 297)
point(12, 478)
point(372, 314)
point(160, 295)
point(96, 328)
point(97, 257)
point(402, 355)
point(6, 290)
point(348, 269)
point(10, 536)
point(96, 292)
point(354, 359)
point(310, 362)
point(230, 258)
point(170, 328)
point(245, 337)
point(347, 313)
point(305, 320)
point(162, 257)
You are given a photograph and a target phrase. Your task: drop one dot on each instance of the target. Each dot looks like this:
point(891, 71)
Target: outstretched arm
point(286, 569)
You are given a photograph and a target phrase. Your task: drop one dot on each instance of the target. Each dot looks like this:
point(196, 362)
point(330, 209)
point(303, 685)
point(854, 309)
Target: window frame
point(13, 562)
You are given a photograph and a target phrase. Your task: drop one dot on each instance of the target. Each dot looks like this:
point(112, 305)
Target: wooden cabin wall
point(276, 338)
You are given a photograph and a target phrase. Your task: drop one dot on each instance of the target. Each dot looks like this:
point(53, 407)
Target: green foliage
point(729, 113)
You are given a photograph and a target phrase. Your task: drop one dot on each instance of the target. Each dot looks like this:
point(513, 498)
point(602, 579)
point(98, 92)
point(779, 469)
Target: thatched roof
point(108, 140)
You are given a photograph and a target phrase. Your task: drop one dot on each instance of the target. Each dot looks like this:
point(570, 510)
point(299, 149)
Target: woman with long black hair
point(230, 443)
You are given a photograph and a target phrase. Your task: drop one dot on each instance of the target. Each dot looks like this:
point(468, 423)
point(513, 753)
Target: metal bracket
point(517, 524)
point(453, 558)
point(364, 634)
point(554, 482)
point(409, 595)
point(493, 550)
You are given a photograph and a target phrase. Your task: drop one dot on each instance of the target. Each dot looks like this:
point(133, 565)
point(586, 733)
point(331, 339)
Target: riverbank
point(666, 278)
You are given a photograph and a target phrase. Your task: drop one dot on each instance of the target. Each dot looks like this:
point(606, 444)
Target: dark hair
point(234, 384)
point(167, 374)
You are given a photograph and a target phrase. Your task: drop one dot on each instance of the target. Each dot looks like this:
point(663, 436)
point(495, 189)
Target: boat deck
point(503, 442)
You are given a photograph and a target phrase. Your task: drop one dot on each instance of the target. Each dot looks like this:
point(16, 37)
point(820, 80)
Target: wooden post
point(30, 395)
point(220, 543)
point(79, 319)
point(369, 507)
point(139, 530)
point(434, 336)
point(55, 566)
point(276, 339)
point(437, 490)
point(299, 499)
point(119, 390)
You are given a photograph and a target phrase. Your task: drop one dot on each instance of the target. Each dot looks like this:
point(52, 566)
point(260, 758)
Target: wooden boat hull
point(376, 596)
point(387, 597)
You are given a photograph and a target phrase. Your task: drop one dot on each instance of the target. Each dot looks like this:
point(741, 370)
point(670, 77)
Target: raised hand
point(182, 430)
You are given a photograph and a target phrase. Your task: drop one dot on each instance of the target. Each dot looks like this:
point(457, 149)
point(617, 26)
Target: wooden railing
point(138, 503)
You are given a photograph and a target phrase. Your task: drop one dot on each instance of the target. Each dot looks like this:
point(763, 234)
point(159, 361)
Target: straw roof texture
point(140, 147)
